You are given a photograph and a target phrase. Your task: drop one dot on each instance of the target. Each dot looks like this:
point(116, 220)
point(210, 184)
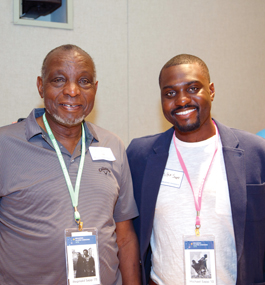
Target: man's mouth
point(185, 112)
point(70, 106)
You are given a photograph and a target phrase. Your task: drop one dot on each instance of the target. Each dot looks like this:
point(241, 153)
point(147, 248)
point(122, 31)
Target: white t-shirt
point(175, 213)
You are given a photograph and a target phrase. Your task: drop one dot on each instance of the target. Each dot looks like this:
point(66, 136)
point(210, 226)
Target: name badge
point(101, 153)
point(82, 257)
point(199, 260)
point(172, 178)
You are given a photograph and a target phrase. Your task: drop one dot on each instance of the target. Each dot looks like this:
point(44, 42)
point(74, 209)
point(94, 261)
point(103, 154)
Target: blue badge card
point(82, 259)
point(199, 259)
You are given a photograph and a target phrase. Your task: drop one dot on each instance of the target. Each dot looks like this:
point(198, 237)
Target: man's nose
point(72, 89)
point(183, 98)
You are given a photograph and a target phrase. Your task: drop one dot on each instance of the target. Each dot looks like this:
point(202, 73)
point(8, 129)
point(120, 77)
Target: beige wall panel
point(228, 35)
point(100, 27)
point(132, 39)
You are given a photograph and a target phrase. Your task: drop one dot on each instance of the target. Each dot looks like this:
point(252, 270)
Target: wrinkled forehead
point(66, 60)
point(60, 56)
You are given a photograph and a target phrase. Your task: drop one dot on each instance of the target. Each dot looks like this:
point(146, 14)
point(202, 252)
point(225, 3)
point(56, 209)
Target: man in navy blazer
point(233, 172)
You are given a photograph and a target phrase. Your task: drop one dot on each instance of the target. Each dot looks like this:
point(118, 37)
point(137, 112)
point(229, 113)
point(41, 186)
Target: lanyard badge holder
point(81, 247)
point(199, 251)
point(82, 258)
point(199, 260)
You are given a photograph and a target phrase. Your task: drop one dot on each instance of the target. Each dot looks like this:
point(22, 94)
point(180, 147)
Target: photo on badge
point(199, 260)
point(82, 259)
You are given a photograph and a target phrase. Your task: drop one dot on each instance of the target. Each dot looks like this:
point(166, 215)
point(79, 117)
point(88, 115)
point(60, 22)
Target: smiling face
point(186, 96)
point(68, 87)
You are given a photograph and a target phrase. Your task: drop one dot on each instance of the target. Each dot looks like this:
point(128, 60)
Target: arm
point(128, 253)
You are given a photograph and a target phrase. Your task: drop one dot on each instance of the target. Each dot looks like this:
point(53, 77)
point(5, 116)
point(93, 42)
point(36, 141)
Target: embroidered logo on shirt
point(104, 170)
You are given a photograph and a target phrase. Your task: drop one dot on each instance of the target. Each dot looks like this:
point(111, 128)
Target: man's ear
point(40, 86)
point(96, 85)
point(212, 90)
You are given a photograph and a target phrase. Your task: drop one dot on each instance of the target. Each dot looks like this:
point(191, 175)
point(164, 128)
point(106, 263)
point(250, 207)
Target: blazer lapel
point(236, 178)
point(154, 170)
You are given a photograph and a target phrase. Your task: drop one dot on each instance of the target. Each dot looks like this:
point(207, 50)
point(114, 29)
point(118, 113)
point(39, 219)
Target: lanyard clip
point(197, 232)
point(78, 219)
point(80, 225)
point(198, 224)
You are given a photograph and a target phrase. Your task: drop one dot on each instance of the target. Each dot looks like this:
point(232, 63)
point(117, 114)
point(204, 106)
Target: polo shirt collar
point(33, 128)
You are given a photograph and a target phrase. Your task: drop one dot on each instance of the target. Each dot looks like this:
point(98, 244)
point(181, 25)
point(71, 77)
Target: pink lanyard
point(199, 203)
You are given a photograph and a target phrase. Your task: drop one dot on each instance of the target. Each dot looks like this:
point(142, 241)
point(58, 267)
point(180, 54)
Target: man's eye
point(58, 80)
point(193, 89)
point(84, 81)
point(171, 93)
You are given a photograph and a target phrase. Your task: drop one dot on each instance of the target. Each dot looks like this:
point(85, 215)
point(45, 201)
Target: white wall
point(130, 40)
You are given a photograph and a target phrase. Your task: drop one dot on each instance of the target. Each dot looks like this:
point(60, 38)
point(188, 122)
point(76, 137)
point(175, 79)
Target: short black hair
point(67, 47)
point(186, 59)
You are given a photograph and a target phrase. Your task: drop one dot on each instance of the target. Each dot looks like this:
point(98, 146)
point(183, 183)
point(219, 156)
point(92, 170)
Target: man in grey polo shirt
point(35, 205)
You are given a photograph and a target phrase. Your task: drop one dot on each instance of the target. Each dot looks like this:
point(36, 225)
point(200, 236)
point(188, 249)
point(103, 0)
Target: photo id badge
point(199, 260)
point(82, 258)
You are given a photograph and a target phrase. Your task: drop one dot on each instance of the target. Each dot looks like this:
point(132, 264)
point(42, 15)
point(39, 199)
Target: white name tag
point(172, 178)
point(101, 153)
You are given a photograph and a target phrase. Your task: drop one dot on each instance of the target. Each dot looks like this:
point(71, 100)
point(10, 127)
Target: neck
point(203, 133)
point(67, 136)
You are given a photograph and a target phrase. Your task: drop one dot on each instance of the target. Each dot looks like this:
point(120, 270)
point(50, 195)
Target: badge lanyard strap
point(182, 163)
point(73, 193)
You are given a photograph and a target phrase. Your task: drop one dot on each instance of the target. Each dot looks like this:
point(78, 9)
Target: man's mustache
point(183, 107)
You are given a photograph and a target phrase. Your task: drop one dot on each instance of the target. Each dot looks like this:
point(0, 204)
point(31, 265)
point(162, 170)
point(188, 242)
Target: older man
point(59, 173)
point(199, 188)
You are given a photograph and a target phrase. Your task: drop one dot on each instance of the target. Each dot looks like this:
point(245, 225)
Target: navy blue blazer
point(244, 157)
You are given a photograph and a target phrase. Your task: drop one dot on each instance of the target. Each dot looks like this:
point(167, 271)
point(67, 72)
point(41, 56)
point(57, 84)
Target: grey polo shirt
point(35, 205)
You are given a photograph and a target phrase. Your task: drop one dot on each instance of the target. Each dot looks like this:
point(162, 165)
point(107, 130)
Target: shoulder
point(24, 129)
point(103, 136)
point(252, 145)
point(16, 129)
point(147, 144)
point(106, 139)
point(248, 138)
point(242, 137)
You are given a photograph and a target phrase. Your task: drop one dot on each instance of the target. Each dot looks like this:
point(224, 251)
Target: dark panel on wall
point(36, 8)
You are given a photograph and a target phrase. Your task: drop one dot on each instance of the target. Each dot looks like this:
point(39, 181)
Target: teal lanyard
point(73, 193)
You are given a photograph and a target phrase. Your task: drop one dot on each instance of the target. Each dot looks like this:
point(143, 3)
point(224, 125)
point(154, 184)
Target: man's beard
point(189, 127)
point(67, 122)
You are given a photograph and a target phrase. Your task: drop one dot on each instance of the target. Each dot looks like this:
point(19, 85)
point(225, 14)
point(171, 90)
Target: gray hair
point(67, 47)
